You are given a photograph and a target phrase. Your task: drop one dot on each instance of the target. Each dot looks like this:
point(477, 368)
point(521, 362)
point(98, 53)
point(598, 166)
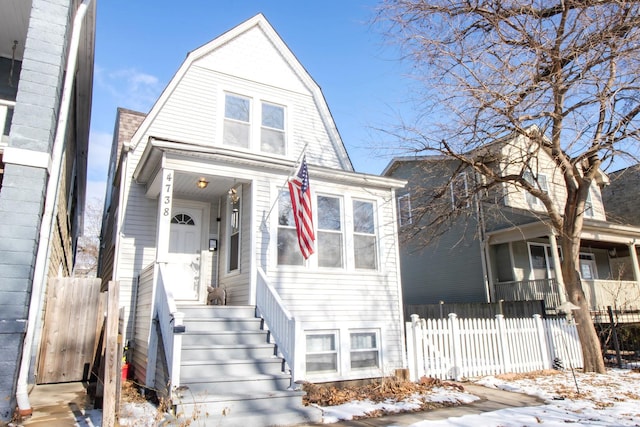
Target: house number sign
point(167, 193)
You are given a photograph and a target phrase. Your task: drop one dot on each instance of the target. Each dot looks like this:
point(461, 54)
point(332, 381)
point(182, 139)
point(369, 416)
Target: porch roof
point(597, 231)
point(158, 152)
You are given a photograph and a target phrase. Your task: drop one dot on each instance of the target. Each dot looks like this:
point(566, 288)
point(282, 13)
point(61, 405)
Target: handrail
point(170, 321)
point(282, 325)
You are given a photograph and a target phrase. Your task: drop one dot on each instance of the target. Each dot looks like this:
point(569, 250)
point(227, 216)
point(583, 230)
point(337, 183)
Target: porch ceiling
point(14, 22)
point(593, 231)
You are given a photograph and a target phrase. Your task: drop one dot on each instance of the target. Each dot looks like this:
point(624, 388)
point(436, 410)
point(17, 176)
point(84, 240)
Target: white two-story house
point(199, 198)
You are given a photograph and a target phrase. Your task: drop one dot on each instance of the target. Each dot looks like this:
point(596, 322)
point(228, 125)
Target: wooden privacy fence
point(456, 348)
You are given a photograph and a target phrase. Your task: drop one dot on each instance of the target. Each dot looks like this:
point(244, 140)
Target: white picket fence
point(464, 348)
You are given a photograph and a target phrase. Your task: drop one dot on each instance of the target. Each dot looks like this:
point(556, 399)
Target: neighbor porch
point(524, 264)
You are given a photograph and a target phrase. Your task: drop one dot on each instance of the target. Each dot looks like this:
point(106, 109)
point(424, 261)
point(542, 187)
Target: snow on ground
point(612, 399)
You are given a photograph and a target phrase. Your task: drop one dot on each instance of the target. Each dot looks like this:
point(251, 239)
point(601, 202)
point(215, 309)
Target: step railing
point(282, 325)
point(171, 325)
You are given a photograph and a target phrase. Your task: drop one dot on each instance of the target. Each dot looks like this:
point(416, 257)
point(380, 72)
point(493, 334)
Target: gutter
point(48, 217)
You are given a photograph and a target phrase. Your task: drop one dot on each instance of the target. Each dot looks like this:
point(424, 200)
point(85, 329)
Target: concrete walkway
point(490, 400)
point(63, 405)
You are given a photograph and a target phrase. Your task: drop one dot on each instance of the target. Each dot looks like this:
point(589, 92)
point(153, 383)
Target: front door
point(185, 245)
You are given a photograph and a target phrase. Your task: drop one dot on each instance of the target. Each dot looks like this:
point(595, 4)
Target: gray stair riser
point(236, 386)
point(227, 353)
point(251, 414)
point(224, 338)
point(201, 325)
point(213, 371)
point(213, 312)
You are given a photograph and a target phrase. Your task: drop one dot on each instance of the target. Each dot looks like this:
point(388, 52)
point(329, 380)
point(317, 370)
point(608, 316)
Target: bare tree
point(89, 243)
point(492, 70)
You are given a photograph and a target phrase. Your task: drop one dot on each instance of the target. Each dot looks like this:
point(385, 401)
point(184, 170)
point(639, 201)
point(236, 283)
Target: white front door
point(185, 245)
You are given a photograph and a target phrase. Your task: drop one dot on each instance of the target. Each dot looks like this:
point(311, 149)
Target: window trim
point(548, 259)
point(407, 209)
point(377, 349)
point(452, 184)
point(541, 178)
point(336, 351)
point(341, 232)
point(374, 234)
point(256, 102)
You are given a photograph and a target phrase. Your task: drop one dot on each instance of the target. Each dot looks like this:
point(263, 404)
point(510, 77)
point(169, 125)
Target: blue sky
point(141, 44)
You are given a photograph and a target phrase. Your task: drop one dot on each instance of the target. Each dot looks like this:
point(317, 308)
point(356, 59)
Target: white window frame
point(336, 351)
point(541, 182)
point(588, 258)
point(229, 203)
point(404, 210)
point(341, 232)
point(462, 176)
point(255, 122)
point(588, 206)
point(355, 233)
point(377, 349)
point(548, 259)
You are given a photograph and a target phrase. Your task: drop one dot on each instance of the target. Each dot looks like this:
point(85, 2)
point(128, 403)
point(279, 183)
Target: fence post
point(542, 342)
point(456, 370)
point(412, 348)
point(616, 343)
point(503, 342)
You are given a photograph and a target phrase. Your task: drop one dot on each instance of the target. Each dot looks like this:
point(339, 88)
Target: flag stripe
point(302, 213)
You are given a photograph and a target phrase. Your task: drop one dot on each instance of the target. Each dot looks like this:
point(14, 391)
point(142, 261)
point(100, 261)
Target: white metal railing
point(282, 325)
point(456, 348)
point(5, 107)
point(616, 293)
point(170, 321)
point(528, 290)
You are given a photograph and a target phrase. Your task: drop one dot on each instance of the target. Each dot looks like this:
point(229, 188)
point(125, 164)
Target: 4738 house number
point(167, 190)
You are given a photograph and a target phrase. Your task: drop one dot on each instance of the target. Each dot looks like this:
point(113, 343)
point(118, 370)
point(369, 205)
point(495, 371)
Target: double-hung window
point(237, 121)
point(329, 239)
point(288, 248)
point(322, 352)
point(404, 209)
point(364, 351)
point(251, 124)
point(459, 191)
point(364, 235)
point(588, 205)
point(272, 138)
point(540, 181)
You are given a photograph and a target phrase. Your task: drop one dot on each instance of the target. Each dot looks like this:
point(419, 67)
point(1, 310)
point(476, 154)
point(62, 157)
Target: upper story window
point(540, 181)
point(404, 210)
point(364, 235)
point(459, 191)
point(272, 133)
point(588, 205)
point(254, 125)
point(237, 120)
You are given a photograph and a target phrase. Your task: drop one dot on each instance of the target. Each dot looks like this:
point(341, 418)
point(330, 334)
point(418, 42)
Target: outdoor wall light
point(202, 183)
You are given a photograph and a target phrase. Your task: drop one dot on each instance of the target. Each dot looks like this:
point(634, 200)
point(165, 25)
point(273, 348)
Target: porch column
point(634, 261)
point(164, 215)
point(557, 268)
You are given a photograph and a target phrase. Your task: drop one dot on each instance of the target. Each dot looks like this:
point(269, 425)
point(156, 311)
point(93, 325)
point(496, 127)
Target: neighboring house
point(502, 246)
point(198, 198)
point(620, 196)
point(45, 104)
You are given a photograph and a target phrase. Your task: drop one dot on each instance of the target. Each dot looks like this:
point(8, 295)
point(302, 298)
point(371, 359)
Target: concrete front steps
point(230, 373)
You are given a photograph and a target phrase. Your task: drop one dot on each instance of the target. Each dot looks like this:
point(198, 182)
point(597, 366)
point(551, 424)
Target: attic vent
point(182, 219)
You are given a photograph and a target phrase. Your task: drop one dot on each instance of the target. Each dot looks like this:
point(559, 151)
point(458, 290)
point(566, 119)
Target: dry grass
point(390, 388)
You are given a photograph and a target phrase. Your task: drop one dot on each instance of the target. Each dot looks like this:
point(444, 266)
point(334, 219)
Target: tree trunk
point(591, 352)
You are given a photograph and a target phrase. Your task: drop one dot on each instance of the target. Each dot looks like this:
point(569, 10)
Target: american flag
point(301, 203)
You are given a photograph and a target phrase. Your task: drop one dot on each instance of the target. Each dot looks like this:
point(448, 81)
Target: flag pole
point(295, 170)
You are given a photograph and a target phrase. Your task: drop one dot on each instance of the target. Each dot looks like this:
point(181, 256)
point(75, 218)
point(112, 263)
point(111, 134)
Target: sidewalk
point(490, 400)
point(63, 405)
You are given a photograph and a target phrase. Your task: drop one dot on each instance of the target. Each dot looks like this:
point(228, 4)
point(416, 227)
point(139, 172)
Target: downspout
point(48, 216)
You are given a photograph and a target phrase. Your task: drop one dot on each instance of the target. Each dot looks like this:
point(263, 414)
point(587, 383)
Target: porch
point(524, 263)
point(599, 293)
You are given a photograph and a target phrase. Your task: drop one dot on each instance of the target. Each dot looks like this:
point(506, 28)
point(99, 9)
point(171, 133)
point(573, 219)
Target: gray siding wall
point(620, 196)
point(22, 195)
